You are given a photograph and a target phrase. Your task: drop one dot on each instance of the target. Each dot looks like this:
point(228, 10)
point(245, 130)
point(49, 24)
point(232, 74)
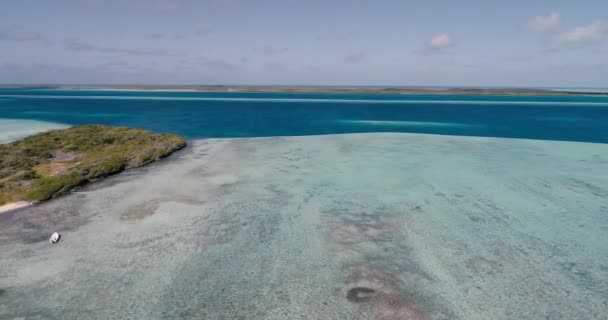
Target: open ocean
point(223, 115)
point(320, 206)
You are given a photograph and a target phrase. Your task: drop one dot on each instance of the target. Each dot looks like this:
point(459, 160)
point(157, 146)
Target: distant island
point(331, 89)
point(52, 163)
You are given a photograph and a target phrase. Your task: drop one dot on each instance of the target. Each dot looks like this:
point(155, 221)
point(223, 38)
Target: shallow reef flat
point(359, 226)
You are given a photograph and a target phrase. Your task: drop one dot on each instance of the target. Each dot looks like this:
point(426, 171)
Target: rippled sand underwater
point(358, 226)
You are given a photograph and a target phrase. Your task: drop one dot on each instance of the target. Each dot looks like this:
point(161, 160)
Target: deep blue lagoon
point(220, 115)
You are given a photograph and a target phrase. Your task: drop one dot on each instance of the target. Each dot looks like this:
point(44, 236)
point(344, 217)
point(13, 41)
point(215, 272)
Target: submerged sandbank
point(15, 129)
point(362, 226)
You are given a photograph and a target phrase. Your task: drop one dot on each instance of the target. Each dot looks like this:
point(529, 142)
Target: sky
point(516, 43)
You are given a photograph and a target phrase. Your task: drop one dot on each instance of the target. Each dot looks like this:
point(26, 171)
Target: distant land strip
point(328, 89)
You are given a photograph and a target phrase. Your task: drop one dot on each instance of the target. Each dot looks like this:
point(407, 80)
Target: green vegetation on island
point(52, 163)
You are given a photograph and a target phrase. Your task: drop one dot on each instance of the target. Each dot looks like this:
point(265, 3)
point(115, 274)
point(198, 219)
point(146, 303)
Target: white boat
point(54, 238)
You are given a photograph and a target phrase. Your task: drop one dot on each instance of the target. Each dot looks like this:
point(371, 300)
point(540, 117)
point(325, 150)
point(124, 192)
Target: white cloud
point(591, 33)
point(439, 42)
point(544, 23)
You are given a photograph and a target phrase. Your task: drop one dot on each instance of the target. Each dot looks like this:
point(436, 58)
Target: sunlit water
point(226, 115)
point(371, 225)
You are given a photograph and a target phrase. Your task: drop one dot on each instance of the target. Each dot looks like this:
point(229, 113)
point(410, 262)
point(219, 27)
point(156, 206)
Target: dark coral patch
point(360, 294)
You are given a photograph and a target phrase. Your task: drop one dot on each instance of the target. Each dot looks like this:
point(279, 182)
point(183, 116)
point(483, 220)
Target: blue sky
point(384, 42)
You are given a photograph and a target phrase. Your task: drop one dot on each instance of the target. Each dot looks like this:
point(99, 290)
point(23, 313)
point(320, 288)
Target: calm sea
point(201, 115)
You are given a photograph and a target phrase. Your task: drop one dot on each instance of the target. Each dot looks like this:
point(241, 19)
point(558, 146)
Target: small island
point(49, 164)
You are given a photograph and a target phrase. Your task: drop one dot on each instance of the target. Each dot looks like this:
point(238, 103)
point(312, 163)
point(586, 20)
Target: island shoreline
point(60, 161)
point(14, 206)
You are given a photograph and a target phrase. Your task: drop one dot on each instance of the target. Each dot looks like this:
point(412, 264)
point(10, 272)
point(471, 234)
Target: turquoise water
point(220, 115)
point(380, 224)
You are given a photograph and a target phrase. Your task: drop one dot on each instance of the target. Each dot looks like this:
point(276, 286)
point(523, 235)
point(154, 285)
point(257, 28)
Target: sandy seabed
point(361, 226)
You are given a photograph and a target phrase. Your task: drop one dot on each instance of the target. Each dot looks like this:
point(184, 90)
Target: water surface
point(471, 223)
point(364, 226)
point(221, 115)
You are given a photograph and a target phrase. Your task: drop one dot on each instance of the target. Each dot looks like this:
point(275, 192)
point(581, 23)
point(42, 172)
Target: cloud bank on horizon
point(468, 43)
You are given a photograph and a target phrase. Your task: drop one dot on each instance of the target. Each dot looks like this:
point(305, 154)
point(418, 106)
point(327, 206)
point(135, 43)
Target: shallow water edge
point(361, 226)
